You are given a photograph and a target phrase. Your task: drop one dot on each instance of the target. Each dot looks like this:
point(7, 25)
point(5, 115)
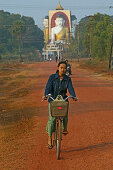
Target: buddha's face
point(59, 22)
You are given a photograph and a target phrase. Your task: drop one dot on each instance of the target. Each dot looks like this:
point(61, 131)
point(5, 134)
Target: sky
point(38, 9)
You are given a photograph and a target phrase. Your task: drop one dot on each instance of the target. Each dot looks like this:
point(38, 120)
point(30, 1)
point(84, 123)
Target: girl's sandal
point(65, 132)
point(50, 146)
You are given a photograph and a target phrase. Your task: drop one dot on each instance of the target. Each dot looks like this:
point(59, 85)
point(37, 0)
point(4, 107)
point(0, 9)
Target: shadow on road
point(86, 107)
point(74, 150)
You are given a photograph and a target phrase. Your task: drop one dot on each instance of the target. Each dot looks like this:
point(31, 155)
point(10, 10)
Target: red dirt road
point(89, 144)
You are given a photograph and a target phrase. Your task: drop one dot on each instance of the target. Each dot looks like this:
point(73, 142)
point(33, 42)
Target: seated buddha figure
point(46, 29)
point(59, 33)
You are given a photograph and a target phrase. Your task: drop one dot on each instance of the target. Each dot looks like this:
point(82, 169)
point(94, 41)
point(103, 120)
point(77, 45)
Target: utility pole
point(78, 40)
point(90, 38)
point(111, 50)
point(111, 54)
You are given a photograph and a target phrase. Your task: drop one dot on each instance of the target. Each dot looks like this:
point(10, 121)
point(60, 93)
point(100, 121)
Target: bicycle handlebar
point(71, 97)
point(49, 95)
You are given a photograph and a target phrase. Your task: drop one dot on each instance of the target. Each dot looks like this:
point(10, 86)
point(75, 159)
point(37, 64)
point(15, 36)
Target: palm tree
point(19, 29)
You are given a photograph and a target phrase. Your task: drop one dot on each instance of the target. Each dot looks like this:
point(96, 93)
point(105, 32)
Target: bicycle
point(59, 109)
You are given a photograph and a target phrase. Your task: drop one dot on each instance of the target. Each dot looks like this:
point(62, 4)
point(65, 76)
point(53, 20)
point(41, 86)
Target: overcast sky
point(38, 9)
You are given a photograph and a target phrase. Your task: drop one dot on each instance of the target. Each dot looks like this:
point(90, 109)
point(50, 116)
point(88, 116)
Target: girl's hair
point(61, 62)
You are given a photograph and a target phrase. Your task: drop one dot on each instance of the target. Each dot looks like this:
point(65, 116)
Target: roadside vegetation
point(93, 39)
point(20, 38)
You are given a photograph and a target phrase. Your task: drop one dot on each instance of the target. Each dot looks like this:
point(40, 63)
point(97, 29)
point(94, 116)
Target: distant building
point(59, 28)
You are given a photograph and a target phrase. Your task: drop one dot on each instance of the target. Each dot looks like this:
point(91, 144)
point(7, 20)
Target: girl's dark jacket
point(56, 87)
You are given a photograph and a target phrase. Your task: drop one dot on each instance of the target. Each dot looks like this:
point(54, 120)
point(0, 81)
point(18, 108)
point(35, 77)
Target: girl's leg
point(51, 123)
point(65, 122)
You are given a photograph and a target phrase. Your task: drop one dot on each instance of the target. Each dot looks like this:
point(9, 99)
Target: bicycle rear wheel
point(58, 137)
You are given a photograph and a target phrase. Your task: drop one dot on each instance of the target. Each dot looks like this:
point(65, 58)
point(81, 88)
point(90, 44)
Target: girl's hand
point(75, 99)
point(44, 98)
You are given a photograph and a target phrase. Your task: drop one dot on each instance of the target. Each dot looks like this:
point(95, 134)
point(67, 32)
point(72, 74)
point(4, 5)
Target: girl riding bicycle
point(57, 85)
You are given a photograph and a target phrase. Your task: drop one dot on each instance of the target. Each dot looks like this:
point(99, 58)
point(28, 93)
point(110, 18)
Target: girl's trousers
point(51, 124)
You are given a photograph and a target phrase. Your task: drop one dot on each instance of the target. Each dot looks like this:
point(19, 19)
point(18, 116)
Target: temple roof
point(59, 7)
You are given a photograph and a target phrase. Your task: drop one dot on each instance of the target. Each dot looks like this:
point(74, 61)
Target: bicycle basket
point(59, 108)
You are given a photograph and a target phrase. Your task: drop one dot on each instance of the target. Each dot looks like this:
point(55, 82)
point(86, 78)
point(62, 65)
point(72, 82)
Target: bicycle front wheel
point(58, 138)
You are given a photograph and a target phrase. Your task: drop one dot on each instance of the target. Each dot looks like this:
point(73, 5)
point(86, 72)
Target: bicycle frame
point(59, 119)
point(58, 136)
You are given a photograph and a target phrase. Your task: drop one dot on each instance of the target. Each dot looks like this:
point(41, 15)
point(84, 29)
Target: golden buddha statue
point(59, 33)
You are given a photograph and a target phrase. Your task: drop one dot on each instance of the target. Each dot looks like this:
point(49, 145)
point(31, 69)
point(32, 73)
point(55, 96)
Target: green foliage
point(77, 47)
point(18, 27)
point(72, 50)
point(100, 29)
point(13, 28)
point(93, 36)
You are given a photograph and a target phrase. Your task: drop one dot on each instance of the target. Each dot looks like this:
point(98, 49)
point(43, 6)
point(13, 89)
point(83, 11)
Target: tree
point(18, 29)
point(101, 36)
point(31, 39)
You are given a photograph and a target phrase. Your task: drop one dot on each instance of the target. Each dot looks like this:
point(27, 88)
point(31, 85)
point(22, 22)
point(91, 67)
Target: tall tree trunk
point(20, 45)
point(111, 52)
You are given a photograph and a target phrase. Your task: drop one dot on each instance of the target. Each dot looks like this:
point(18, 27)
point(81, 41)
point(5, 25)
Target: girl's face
point(62, 69)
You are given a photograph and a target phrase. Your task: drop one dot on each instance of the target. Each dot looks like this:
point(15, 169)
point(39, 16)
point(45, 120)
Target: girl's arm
point(48, 88)
point(71, 88)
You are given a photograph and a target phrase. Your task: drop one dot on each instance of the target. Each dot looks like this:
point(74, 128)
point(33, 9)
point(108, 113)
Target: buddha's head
point(60, 21)
point(46, 22)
